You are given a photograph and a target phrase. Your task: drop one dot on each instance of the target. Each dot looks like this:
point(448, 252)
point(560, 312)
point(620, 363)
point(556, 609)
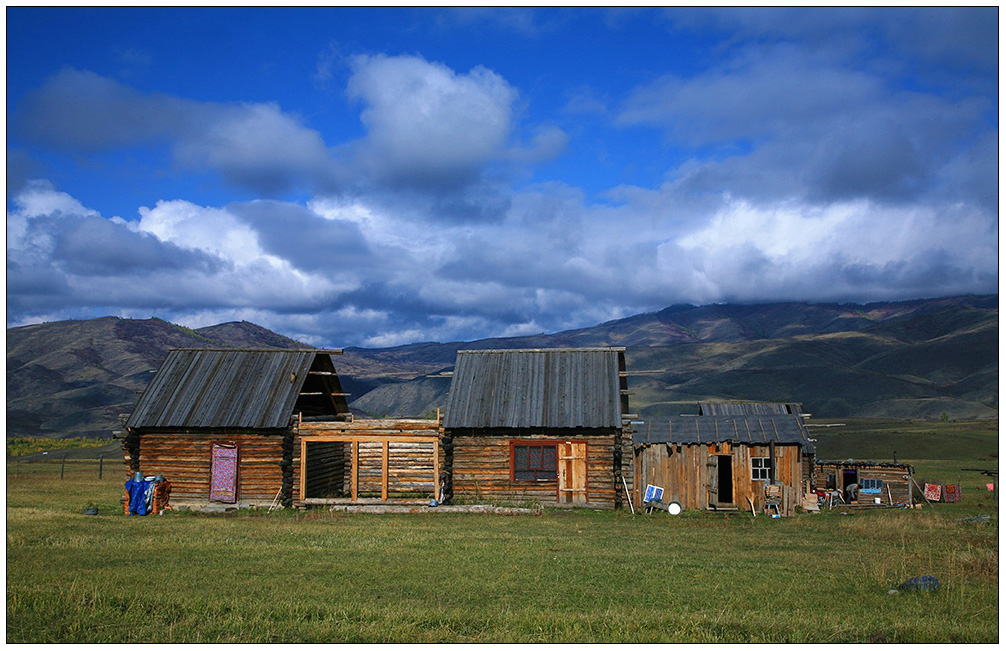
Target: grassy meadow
point(562, 576)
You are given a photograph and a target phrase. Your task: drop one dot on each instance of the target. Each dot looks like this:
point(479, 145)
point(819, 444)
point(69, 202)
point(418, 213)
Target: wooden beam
point(375, 424)
point(373, 438)
point(356, 469)
point(384, 471)
point(436, 470)
point(303, 469)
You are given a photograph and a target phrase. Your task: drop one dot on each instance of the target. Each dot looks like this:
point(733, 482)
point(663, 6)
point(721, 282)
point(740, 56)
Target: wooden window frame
point(540, 444)
point(766, 469)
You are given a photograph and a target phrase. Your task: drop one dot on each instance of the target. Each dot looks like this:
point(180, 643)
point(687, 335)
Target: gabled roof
point(257, 389)
point(556, 388)
point(753, 430)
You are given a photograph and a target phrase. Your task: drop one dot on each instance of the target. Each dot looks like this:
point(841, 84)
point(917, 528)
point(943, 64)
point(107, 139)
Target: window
point(533, 461)
point(871, 485)
point(761, 468)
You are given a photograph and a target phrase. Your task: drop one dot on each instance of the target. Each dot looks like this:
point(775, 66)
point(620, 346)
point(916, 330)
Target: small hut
point(877, 483)
point(742, 456)
point(544, 425)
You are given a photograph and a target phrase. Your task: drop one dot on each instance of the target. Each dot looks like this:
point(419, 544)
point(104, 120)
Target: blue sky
point(383, 176)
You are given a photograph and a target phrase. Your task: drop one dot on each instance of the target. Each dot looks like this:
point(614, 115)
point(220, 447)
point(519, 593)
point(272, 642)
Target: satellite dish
point(674, 508)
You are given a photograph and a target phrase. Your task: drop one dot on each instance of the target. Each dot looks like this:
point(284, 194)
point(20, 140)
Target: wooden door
point(712, 479)
point(572, 472)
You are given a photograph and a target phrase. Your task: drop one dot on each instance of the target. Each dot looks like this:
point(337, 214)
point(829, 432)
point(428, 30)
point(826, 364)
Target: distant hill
point(73, 378)
point(902, 359)
point(908, 359)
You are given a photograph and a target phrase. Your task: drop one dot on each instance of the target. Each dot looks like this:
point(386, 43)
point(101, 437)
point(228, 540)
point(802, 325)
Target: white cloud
point(427, 123)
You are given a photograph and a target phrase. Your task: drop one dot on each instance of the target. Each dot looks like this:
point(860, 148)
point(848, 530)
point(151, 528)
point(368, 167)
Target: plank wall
point(481, 470)
point(682, 471)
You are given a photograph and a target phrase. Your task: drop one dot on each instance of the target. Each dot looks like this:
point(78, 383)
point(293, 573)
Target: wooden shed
point(759, 460)
point(263, 427)
point(544, 425)
point(888, 482)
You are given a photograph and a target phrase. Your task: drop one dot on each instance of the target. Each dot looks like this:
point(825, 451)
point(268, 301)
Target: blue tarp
point(136, 489)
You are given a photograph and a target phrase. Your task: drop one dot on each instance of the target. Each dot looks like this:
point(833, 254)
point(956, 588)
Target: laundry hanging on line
point(952, 493)
point(933, 492)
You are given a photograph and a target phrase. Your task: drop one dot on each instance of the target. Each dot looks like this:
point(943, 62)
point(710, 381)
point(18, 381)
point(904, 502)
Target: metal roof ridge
point(608, 349)
point(324, 351)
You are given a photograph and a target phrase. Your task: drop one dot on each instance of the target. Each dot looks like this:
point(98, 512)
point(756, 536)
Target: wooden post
point(303, 468)
point(637, 477)
point(771, 461)
point(384, 470)
point(356, 469)
point(62, 466)
point(921, 490)
point(436, 466)
point(101, 461)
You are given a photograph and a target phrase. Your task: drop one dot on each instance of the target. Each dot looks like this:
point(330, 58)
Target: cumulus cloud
point(177, 256)
point(785, 123)
point(428, 124)
point(428, 129)
point(793, 171)
point(256, 146)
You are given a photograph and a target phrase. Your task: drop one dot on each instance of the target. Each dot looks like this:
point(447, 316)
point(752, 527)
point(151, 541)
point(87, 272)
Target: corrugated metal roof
point(755, 430)
point(747, 408)
point(558, 388)
point(225, 388)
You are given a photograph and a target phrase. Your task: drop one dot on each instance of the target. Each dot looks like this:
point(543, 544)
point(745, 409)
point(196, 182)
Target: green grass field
point(21, 445)
point(563, 576)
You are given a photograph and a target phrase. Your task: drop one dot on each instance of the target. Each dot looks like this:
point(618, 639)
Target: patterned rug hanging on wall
point(224, 473)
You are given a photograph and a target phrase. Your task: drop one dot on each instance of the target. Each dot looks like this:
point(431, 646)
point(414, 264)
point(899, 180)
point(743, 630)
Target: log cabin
point(880, 483)
point(537, 425)
point(728, 457)
point(245, 428)
point(220, 424)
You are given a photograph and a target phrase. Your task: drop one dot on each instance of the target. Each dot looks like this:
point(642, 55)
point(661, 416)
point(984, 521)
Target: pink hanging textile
point(990, 487)
point(224, 473)
point(952, 493)
point(933, 492)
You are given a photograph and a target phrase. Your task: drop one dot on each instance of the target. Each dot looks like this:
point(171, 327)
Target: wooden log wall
point(183, 458)
point(893, 478)
point(481, 469)
point(410, 469)
point(626, 468)
point(410, 464)
point(683, 472)
point(326, 469)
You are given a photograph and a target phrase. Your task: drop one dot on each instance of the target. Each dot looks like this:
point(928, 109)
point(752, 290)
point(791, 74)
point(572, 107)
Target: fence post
point(101, 461)
point(62, 466)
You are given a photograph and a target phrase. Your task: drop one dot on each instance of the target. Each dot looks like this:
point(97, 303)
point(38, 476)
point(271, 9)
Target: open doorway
point(725, 479)
point(326, 469)
point(850, 476)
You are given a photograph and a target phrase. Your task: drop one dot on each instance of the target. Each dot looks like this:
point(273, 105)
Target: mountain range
point(926, 358)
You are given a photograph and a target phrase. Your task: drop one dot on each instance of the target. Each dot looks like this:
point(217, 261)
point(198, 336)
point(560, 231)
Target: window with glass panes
point(531, 461)
point(761, 468)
